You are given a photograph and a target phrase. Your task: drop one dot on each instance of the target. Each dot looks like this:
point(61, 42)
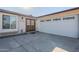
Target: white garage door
point(66, 26)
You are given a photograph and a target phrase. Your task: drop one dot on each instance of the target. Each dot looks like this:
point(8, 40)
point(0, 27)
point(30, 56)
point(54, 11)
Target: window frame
point(9, 22)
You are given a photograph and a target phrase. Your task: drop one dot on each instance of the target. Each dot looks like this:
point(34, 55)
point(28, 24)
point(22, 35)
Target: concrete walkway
point(39, 42)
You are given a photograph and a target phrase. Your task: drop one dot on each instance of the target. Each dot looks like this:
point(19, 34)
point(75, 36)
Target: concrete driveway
point(38, 42)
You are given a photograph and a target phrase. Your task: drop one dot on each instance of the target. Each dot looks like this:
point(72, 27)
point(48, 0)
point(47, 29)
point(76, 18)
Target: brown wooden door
point(30, 25)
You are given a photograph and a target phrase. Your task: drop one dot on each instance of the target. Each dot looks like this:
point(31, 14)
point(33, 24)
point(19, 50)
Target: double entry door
point(30, 25)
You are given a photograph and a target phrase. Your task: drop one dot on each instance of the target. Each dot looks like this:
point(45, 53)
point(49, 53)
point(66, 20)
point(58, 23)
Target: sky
point(36, 11)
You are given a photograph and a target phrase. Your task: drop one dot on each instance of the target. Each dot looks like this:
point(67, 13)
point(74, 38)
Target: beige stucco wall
point(20, 24)
point(72, 12)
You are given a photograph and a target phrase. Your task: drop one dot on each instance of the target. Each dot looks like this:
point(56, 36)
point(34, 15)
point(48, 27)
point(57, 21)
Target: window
point(67, 18)
point(42, 21)
point(48, 20)
point(12, 22)
point(6, 22)
point(9, 22)
point(56, 19)
point(21, 17)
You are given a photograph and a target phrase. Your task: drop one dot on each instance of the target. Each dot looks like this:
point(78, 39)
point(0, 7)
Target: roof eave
point(59, 12)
